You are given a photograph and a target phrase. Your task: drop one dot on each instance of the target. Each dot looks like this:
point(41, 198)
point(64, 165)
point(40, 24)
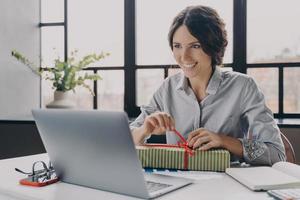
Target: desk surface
point(221, 187)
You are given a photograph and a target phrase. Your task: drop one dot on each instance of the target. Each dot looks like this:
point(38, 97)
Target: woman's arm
point(139, 135)
point(265, 146)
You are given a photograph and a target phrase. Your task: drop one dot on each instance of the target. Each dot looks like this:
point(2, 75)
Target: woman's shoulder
point(173, 80)
point(235, 76)
point(169, 84)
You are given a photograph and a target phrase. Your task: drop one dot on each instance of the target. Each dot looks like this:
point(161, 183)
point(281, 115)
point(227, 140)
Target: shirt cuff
point(254, 152)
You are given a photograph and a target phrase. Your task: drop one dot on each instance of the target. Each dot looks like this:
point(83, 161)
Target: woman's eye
point(176, 46)
point(196, 46)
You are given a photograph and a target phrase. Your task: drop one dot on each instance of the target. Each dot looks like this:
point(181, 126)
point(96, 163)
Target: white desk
point(222, 187)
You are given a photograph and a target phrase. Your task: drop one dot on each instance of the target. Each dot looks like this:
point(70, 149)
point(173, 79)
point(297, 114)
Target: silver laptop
point(95, 149)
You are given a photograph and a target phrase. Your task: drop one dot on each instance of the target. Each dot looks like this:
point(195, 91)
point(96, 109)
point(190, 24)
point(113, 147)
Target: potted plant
point(64, 76)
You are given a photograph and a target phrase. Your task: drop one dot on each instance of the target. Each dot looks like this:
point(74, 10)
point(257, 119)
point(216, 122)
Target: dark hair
point(205, 24)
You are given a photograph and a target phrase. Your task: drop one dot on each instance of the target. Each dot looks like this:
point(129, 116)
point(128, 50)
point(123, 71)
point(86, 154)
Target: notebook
point(95, 149)
point(285, 194)
point(280, 176)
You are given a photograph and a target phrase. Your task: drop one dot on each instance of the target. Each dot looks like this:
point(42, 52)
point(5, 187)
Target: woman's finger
point(153, 122)
point(194, 140)
point(194, 133)
point(207, 146)
point(201, 141)
point(167, 119)
point(161, 121)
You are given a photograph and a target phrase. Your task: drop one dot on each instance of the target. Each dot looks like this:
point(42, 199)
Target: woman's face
point(189, 54)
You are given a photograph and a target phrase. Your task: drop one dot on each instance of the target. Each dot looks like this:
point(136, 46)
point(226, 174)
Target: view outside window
point(267, 80)
point(52, 11)
point(52, 44)
point(274, 37)
point(111, 90)
point(148, 81)
point(96, 26)
point(291, 103)
point(273, 33)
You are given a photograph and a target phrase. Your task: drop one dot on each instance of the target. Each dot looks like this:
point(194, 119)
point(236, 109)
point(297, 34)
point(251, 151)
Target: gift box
point(176, 157)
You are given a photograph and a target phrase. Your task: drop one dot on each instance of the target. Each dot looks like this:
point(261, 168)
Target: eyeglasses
point(40, 175)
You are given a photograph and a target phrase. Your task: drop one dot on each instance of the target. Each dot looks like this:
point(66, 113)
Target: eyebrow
point(196, 42)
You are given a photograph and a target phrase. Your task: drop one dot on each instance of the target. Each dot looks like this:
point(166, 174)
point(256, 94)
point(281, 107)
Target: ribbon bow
point(181, 144)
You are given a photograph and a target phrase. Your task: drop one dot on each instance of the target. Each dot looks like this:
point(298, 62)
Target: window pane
point(152, 29)
point(273, 35)
point(291, 102)
point(52, 11)
point(52, 45)
point(111, 90)
point(148, 81)
point(96, 26)
point(82, 96)
point(267, 80)
point(227, 69)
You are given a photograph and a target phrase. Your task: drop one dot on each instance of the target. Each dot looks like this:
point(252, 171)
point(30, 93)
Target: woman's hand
point(158, 123)
point(204, 139)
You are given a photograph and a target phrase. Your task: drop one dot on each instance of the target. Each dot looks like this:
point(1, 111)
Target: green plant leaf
point(65, 74)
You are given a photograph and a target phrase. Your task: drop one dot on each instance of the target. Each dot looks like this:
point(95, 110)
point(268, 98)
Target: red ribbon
point(181, 144)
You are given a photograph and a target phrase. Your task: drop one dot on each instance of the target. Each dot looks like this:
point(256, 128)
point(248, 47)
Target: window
point(91, 27)
point(273, 53)
point(273, 36)
point(141, 58)
point(267, 80)
point(291, 101)
point(95, 26)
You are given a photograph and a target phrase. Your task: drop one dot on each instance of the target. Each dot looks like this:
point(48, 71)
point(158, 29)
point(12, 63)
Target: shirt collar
point(214, 81)
point(213, 84)
point(182, 83)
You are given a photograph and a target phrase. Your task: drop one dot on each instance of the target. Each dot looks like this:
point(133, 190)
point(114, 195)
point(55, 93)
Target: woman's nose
point(185, 55)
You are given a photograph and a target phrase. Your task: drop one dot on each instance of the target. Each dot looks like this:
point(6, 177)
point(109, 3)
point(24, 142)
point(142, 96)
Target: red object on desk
point(28, 181)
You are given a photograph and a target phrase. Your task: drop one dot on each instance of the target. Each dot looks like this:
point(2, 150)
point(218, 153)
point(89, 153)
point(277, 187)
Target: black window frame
point(239, 61)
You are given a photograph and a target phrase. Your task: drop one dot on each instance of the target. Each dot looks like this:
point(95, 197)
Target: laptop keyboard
point(154, 186)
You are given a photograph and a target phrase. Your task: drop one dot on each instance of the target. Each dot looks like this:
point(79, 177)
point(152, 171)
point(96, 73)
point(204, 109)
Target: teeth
point(189, 66)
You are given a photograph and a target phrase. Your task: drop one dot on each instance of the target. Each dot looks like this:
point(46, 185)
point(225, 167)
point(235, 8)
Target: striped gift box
point(174, 158)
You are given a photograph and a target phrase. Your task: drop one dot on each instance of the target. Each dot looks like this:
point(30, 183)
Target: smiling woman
point(199, 101)
point(191, 58)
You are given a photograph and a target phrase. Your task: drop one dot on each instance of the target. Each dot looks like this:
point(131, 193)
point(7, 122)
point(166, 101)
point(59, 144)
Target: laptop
point(95, 149)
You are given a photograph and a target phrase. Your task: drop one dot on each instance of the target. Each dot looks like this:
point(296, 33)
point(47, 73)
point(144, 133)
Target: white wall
point(19, 87)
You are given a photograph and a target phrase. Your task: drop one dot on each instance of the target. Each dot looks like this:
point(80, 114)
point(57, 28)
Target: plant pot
point(62, 100)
